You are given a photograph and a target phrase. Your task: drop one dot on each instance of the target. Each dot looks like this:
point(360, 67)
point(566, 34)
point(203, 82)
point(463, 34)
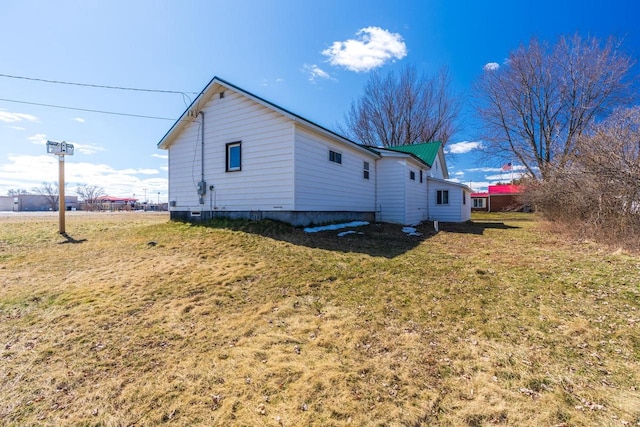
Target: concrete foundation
point(298, 219)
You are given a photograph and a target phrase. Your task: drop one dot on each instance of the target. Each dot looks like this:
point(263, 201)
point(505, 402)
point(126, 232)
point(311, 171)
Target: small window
point(464, 198)
point(420, 175)
point(335, 157)
point(442, 197)
point(234, 157)
point(365, 168)
point(412, 175)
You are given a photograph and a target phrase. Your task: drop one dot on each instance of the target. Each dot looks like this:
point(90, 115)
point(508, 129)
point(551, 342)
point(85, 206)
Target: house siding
point(436, 169)
point(391, 189)
point(322, 185)
point(265, 181)
point(416, 201)
point(455, 211)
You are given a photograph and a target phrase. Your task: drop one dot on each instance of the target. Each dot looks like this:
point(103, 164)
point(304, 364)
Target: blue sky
point(301, 55)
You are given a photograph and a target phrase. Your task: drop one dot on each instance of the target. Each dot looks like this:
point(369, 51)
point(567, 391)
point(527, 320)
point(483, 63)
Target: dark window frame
point(365, 170)
point(228, 147)
point(412, 175)
point(335, 157)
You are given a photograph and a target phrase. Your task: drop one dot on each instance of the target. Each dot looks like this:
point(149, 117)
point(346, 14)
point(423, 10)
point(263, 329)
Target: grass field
point(134, 320)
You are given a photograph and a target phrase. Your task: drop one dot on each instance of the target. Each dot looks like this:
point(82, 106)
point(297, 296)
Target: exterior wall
point(416, 200)
point(33, 202)
point(391, 189)
point(456, 210)
point(322, 185)
point(265, 181)
point(436, 169)
point(504, 203)
point(485, 208)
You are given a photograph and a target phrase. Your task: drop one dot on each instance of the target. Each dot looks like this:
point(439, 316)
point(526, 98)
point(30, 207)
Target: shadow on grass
point(474, 227)
point(69, 239)
point(377, 239)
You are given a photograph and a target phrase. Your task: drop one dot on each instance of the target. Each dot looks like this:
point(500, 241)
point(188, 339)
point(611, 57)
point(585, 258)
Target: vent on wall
point(195, 213)
point(221, 94)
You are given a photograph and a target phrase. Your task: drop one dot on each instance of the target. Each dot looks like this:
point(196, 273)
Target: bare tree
point(16, 192)
point(598, 191)
point(404, 109)
point(542, 100)
point(90, 194)
point(51, 192)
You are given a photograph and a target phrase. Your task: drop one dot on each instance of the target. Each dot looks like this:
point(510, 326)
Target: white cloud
point(9, 117)
point(463, 147)
point(486, 170)
point(78, 119)
point(372, 48)
point(87, 148)
point(480, 186)
point(160, 156)
point(316, 72)
point(504, 177)
point(491, 66)
point(271, 83)
point(17, 127)
point(30, 171)
point(459, 173)
point(38, 139)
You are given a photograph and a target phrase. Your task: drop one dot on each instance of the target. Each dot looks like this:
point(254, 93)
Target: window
point(464, 198)
point(442, 197)
point(234, 157)
point(365, 168)
point(412, 175)
point(420, 175)
point(335, 157)
point(478, 203)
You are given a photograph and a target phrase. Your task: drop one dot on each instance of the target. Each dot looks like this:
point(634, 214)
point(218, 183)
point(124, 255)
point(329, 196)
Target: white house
point(234, 154)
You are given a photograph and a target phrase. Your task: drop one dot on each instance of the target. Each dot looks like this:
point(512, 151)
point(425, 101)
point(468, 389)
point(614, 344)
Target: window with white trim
point(365, 170)
point(479, 202)
point(442, 197)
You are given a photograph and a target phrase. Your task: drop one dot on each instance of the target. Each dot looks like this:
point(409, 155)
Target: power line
point(88, 110)
point(97, 86)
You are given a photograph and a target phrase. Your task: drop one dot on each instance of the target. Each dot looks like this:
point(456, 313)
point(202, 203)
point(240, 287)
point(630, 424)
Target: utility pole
point(60, 149)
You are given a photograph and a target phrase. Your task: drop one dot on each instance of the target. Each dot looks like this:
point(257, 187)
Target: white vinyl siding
point(416, 201)
point(324, 185)
point(455, 210)
point(391, 189)
point(479, 202)
point(265, 181)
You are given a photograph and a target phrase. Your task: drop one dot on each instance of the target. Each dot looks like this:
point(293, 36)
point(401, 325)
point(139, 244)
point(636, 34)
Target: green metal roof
point(427, 151)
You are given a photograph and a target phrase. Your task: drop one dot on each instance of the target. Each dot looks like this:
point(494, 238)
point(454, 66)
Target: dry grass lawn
point(135, 320)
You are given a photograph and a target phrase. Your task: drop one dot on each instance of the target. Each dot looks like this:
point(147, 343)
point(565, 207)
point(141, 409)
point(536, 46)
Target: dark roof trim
point(295, 117)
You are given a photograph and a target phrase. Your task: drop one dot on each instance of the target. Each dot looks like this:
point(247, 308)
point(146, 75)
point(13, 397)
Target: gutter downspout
point(202, 187)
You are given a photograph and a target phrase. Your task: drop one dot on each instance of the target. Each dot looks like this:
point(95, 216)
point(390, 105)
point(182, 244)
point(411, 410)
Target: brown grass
point(495, 322)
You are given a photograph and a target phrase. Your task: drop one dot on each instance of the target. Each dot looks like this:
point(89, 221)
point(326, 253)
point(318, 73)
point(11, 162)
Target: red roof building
point(498, 198)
